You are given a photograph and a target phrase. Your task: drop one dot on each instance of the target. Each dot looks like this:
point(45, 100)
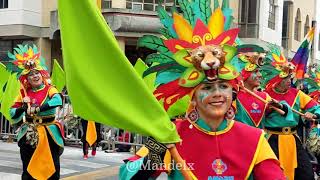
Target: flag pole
point(185, 171)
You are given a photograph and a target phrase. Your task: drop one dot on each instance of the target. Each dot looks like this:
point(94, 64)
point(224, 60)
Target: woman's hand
point(309, 116)
point(275, 103)
point(32, 110)
point(26, 99)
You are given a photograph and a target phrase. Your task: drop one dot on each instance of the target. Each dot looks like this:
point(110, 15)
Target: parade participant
point(249, 109)
point(90, 137)
point(39, 138)
point(282, 132)
point(313, 82)
point(210, 136)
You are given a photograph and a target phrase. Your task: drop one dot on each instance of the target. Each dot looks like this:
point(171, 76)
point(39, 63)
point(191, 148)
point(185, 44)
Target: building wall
point(265, 33)
point(317, 32)
point(47, 7)
point(22, 12)
point(44, 46)
point(305, 9)
point(118, 3)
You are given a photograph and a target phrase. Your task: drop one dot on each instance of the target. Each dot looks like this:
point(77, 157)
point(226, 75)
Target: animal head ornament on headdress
point(196, 46)
point(251, 57)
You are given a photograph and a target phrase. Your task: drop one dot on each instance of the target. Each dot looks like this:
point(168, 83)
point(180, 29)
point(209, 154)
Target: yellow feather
point(30, 53)
point(276, 58)
point(183, 28)
point(19, 57)
point(216, 23)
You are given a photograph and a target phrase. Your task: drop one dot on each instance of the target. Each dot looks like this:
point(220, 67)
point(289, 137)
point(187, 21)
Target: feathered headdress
point(181, 51)
point(24, 59)
point(276, 67)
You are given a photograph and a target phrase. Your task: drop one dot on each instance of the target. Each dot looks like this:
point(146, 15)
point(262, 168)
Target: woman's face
point(35, 79)
point(213, 99)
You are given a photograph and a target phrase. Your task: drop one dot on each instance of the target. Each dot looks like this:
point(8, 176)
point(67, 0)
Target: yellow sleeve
point(264, 151)
point(304, 99)
point(144, 151)
point(52, 91)
point(18, 99)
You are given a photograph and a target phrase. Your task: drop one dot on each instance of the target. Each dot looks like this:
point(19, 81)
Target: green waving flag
point(102, 84)
point(10, 95)
point(4, 75)
point(58, 76)
point(140, 67)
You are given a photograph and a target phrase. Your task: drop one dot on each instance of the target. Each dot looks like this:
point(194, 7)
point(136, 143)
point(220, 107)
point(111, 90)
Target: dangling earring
point(230, 114)
point(193, 115)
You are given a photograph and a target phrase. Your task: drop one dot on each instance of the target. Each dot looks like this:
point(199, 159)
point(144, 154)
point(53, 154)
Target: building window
point(297, 26)
point(272, 15)
point(248, 18)
point(3, 4)
point(150, 5)
point(306, 26)
point(287, 10)
point(106, 4)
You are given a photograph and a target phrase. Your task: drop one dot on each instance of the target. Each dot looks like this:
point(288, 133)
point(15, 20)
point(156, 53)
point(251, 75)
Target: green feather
point(163, 67)
point(202, 10)
point(159, 58)
point(186, 8)
point(18, 50)
point(154, 43)
point(216, 4)
point(225, 4)
point(164, 32)
point(11, 56)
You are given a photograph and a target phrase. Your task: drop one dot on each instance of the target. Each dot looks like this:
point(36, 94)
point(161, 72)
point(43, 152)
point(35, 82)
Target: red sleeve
point(17, 105)
point(268, 170)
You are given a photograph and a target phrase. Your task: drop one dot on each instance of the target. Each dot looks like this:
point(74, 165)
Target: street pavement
point(104, 166)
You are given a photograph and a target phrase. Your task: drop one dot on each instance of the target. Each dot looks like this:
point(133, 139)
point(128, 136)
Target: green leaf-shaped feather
point(216, 4)
point(163, 67)
point(167, 22)
point(186, 8)
point(159, 58)
point(154, 43)
point(165, 33)
point(202, 10)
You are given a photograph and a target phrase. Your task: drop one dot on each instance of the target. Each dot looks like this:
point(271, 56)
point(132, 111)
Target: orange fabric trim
point(91, 134)
point(288, 155)
point(41, 165)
